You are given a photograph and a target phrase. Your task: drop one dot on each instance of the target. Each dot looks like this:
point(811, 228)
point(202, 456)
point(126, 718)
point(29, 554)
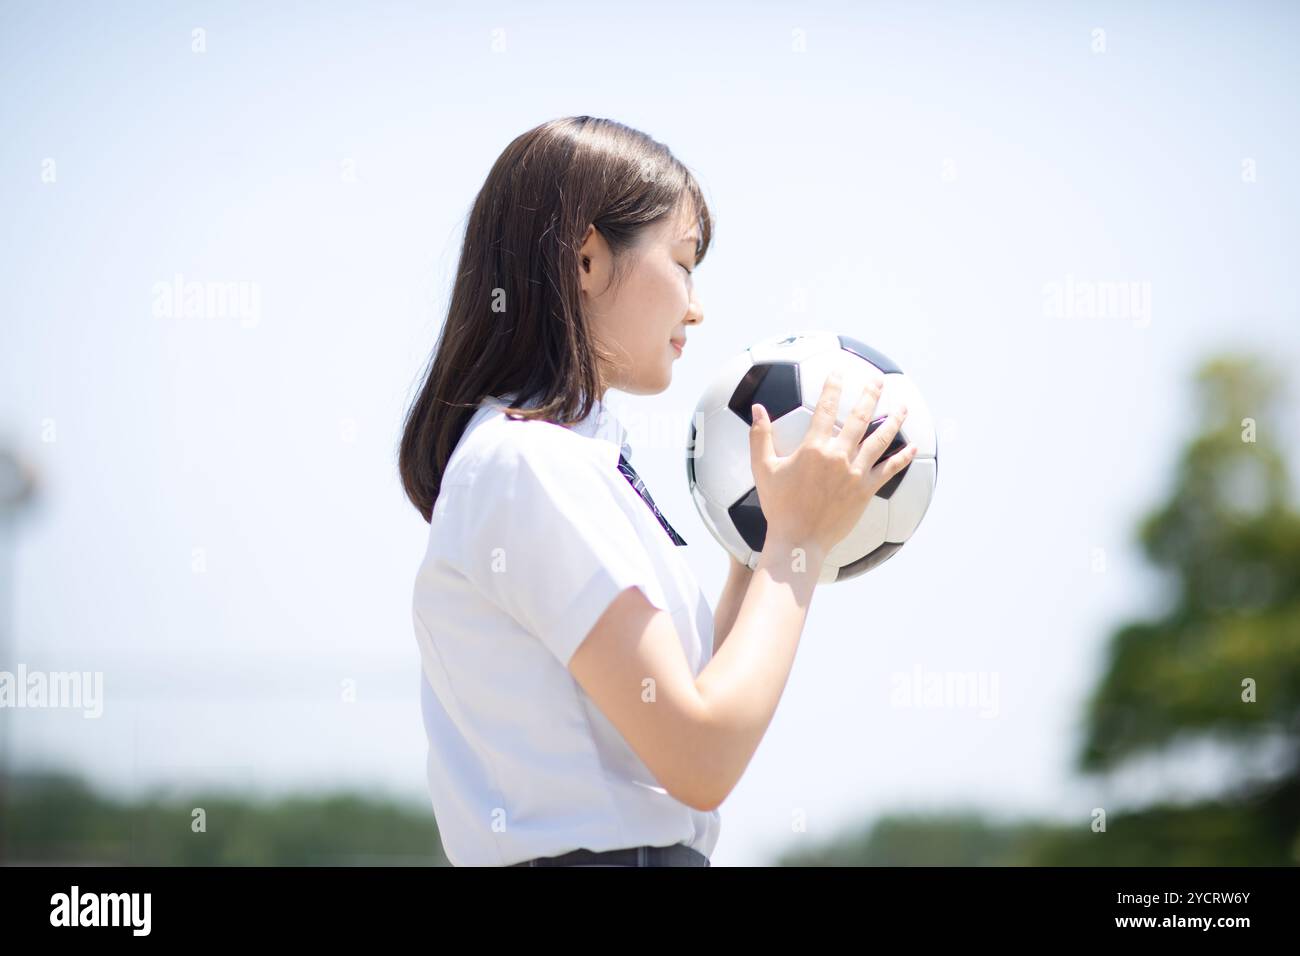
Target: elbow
point(704, 801)
point(711, 804)
point(704, 787)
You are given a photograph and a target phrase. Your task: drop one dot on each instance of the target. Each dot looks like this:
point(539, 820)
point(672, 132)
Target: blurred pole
point(17, 491)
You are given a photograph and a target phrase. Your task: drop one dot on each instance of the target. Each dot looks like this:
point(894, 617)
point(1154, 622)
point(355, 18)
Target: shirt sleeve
point(547, 536)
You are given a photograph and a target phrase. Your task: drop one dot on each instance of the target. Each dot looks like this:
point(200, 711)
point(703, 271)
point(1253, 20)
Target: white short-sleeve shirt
point(534, 533)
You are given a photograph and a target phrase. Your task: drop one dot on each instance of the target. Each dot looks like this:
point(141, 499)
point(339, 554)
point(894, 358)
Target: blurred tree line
point(56, 818)
point(1222, 662)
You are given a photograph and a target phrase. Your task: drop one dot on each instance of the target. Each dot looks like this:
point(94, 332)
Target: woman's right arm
point(743, 683)
point(698, 734)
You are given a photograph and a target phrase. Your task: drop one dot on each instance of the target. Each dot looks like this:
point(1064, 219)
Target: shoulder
point(502, 459)
point(496, 445)
point(542, 488)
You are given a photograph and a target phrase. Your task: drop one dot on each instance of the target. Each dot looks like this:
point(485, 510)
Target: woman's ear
point(593, 259)
point(590, 239)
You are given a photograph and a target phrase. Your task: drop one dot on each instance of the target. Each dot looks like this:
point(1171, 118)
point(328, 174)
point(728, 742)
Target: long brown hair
point(515, 322)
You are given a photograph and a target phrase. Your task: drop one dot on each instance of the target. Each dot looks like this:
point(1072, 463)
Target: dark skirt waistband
point(679, 854)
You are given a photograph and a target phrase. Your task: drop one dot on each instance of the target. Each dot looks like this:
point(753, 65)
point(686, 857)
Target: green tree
point(1222, 662)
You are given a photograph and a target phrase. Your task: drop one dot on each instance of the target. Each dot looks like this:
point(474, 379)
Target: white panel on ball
point(856, 374)
point(779, 348)
point(720, 470)
point(788, 431)
point(908, 503)
point(867, 535)
point(918, 427)
point(701, 506)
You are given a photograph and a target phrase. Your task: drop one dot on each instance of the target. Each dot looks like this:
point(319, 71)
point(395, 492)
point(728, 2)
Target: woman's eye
point(688, 271)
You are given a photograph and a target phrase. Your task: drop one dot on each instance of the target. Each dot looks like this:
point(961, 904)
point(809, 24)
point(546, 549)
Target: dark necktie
point(635, 480)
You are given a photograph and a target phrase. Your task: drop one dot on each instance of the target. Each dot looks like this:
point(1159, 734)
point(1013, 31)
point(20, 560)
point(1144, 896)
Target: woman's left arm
point(729, 601)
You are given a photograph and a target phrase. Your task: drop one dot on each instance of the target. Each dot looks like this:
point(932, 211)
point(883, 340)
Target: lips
point(680, 343)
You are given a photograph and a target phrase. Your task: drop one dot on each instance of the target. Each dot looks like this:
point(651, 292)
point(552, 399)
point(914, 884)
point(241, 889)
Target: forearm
point(728, 607)
point(742, 685)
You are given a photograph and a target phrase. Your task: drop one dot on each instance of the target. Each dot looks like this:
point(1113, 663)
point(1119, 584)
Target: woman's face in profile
point(638, 322)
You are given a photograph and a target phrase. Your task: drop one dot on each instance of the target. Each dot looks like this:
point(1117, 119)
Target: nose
point(694, 311)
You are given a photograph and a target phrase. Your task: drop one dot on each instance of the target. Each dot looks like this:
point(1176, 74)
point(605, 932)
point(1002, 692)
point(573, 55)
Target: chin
point(647, 388)
point(649, 382)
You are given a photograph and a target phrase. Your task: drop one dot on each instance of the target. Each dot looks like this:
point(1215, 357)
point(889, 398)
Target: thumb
point(760, 437)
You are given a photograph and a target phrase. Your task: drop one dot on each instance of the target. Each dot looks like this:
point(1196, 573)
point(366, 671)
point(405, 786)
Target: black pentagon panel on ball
point(898, 443)
point(774, 385)
point(690, 457)
point(879, 359)
point(889, 487)
point(868, 561)
point(748, 519)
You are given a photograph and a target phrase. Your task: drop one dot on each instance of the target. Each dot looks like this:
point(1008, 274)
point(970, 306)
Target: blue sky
point(222, 532)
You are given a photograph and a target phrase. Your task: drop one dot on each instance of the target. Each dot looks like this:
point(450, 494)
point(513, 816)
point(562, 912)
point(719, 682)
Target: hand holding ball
point(828, 457)
point(845, 465)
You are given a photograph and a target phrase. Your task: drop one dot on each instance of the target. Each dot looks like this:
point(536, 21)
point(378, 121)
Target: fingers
point(760, 437)
point(855, 426)
point(878, 441)
point(893, 464)
point(828, 407)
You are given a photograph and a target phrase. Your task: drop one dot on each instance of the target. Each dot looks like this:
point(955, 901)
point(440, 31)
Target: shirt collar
point(602, 423)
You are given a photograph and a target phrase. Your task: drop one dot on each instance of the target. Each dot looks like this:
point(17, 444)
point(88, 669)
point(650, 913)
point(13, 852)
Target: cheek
point(652, 305)
point(672, 294)
point(657, 303)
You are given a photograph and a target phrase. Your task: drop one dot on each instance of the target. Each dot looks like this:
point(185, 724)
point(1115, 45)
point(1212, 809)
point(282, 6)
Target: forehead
point(684, 225)
point(674, 233)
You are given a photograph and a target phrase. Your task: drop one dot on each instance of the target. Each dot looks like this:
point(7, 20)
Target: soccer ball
point(785, 375)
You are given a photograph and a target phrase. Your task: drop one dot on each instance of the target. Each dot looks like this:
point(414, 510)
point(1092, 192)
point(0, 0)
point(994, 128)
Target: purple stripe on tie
point(635, 481)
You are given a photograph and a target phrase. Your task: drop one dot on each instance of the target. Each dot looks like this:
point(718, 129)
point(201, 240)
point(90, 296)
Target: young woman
point(583, 704)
